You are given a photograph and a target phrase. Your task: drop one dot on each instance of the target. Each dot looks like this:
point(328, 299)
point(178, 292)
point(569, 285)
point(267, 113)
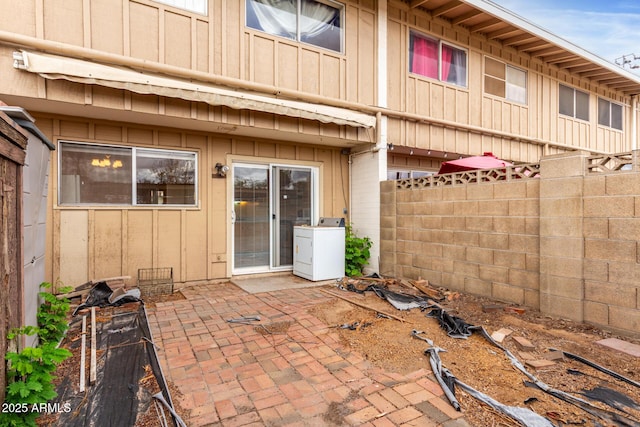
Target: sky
point(609, 29)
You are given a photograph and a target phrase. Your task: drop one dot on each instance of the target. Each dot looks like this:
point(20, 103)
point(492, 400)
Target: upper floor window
point(437, 60)
point(574, 103)
point(317, 22)
point(197, 6)
point(401, 173)
point(609, 114)
point(505, 81)
point(108, 175)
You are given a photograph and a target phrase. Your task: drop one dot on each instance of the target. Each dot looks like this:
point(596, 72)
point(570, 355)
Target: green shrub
point(357, 252)
point(30, 371)
point(52, 316)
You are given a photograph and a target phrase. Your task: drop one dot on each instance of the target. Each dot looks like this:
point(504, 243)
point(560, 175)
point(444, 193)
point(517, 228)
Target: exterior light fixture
point(221, 170)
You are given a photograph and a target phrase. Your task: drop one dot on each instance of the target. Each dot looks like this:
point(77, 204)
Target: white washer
point(318, 252)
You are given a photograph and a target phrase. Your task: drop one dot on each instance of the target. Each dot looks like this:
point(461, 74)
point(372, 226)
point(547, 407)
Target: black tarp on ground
point(116, 398)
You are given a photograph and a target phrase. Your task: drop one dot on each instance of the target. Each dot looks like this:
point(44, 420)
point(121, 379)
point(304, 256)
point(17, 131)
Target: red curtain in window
point(425, 57)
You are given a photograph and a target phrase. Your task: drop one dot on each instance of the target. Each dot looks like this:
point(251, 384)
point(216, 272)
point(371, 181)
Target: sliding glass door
point(251, 217)
point(268, 201)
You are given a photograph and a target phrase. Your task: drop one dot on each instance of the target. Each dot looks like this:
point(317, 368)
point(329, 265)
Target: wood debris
point(359, 304)
point(423, 286)
point(419, 287)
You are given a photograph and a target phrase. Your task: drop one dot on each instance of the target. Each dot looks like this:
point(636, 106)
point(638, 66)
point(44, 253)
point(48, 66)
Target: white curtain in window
point(277, 16)
point(454, 65)
point(315, 18)
point(280, 17)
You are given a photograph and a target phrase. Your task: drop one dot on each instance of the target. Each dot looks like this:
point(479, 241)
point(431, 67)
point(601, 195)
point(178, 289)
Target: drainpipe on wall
point(350, 187)
point(634, 122)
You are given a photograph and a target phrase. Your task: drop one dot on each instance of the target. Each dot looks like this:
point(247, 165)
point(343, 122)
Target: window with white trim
point(197, 6)
point(573, 103)
point(91, 174)
point(609, 114)
point(505, 81)
point(316, 22)
point(436, 59)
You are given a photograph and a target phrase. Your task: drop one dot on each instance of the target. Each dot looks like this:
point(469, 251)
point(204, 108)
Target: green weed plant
point(30, 371)
point(357, 252)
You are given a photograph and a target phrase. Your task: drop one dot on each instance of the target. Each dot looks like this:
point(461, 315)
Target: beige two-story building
point(195, 134)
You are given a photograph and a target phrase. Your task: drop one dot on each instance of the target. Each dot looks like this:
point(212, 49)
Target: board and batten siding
point(92, 242)
point(218, 43)
point(538, 119)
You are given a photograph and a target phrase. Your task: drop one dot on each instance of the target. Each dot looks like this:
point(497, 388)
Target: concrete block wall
point(561, 235)
point(611, 252)
point(477, 238)
point(567, 243)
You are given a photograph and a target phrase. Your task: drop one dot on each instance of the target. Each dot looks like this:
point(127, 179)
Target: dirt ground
point(389, 344)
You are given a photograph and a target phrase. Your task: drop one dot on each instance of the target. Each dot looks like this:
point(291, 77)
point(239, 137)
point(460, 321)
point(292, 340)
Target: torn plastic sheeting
point(101, 292)
point(455, 326)
point(524, 416)
point(576, 401)
point(599, 368)
point(396, 299)
point(160, 398)
point(611, 397)
point(443, 375)
point(611, 418)
point(447, 382)
point(586, 406)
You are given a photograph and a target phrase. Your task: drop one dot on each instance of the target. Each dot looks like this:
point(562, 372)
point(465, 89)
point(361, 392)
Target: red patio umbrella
point(486, 161)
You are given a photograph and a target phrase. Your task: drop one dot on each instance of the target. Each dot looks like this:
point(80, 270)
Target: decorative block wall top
point(611, 163)
point(527, 171)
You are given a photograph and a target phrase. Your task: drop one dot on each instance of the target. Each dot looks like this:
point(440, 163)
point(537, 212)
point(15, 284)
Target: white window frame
point(134, 196)
point(298, 36)
point(441, 43)
point(508, 94)
point(610, 105)
point(195, 6)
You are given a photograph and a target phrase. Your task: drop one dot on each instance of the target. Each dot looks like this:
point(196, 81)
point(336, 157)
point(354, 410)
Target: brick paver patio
point(232, 374)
